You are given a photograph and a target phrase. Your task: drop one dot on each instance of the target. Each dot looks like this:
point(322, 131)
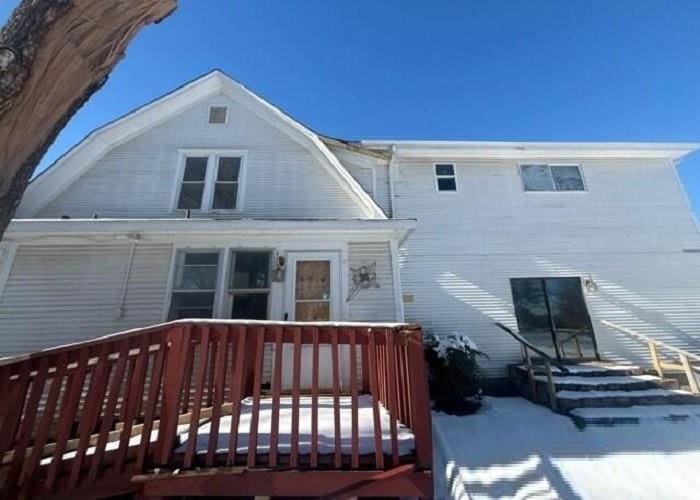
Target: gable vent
point(218, 114)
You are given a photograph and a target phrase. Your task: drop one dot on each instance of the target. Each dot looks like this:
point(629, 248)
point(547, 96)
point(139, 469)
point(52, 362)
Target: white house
point(211, 202)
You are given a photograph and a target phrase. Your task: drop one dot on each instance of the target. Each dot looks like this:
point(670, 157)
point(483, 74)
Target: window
point(551, 178)
point(218, 114)
point(193, 182)
point(194, 286)
point(552, 314)
point(226, 185)
point(249, 284)
point(445, 177)
point(210, 181)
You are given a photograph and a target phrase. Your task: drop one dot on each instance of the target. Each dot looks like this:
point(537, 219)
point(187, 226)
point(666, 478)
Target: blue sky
point(567, 70)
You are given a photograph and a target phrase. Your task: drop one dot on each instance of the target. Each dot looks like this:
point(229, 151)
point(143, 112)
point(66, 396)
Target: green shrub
point(454, 376)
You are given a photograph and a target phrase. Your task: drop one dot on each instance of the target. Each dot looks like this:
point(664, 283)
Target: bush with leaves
point(454, 376)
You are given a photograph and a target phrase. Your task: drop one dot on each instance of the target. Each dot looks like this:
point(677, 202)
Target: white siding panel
point(654, 294)
point(137, 179)
point(361, 167)
point(372, 304)
point(61, 294)
point(627, 231)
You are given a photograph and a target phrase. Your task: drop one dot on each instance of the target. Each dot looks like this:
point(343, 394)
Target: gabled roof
point(81, 157)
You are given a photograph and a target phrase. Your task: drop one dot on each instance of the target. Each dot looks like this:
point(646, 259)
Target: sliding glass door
point(552, 314)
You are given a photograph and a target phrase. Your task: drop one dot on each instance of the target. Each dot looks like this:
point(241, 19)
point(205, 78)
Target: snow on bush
point(454, 376)
point(460, 341)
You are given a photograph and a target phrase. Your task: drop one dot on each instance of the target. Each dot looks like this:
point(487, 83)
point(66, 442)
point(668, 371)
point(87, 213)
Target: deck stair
point(605, 393)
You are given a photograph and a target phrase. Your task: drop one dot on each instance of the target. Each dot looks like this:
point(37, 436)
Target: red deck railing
point(118, 414)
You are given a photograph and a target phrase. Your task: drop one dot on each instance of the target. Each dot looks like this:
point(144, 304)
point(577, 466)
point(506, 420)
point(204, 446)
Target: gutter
point(392, 166)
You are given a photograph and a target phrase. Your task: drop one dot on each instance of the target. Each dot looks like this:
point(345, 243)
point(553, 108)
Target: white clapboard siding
point(61, 294)
point(137, 179)
point(370, 172)
point(628, 231)
point(372, 304)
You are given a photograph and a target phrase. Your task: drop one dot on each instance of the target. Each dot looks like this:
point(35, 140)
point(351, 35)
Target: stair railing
point(686, 359)
point(548, 360)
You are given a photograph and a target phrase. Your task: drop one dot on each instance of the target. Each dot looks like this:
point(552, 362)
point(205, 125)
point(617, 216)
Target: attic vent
point(218, 114)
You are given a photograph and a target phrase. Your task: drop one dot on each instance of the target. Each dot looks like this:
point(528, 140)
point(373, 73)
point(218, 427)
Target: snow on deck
point(326, 431)
point(515, 449)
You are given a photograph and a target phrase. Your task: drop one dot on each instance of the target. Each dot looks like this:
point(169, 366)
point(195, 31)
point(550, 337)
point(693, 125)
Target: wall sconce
point(278, 268)
point(590, 285)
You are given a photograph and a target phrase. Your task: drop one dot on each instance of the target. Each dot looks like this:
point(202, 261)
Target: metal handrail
point(526, 347)
point(532, 347)
point(659, 366)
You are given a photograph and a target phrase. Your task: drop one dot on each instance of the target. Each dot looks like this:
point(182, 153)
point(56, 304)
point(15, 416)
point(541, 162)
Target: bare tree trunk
point(54, 54)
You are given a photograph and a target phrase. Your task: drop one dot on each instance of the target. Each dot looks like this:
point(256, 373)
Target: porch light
point(590, 285)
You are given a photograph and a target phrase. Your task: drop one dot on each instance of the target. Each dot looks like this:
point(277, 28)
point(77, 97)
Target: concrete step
point(633, 414)
point(569, 400)
point(591, 369)
point(609, 383)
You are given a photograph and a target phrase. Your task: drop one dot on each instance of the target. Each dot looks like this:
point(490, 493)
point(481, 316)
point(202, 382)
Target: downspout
point(392, 165)
point(133, 239)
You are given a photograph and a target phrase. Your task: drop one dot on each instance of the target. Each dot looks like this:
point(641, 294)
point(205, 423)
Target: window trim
point(549, 166)
point(209, 122)
point(209, 179)
point(453, 176)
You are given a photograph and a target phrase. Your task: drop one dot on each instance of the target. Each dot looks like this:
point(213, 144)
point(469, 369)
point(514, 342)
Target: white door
point(313, 294)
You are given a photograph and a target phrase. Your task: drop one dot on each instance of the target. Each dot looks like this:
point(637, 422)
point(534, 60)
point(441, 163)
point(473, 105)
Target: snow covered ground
point(514, 449)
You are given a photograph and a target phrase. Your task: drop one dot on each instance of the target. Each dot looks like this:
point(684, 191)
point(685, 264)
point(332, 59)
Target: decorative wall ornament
point(363, 278)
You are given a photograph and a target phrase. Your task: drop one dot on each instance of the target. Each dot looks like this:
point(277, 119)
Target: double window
point(445, 177)
point(199, 290)
point(551, 178)
point(210, 182)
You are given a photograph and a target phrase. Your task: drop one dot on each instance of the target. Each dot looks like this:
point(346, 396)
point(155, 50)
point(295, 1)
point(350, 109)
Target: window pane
point(567, 178)
point(197, 271)
point(195, 169)
point(312, 311)
point(573, 325)
point(228, 169)
point(251, 270)
point(225, 196)
point(197, 278)
point(192, 305)
point(536, 178)
point(567, 303)
point(249, 306)
point(531, 312)
point(191, 195)
point(202, 259)
point(445, 169)
point(447, 184)
point(313, 280)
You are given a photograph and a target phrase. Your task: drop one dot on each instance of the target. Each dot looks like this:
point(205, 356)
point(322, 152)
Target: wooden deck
point(164, 410)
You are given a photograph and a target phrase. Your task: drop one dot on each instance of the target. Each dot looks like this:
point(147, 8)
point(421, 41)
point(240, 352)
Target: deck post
point(692, 380)
point(420, 400)
point(656, 363)
point(550, 386)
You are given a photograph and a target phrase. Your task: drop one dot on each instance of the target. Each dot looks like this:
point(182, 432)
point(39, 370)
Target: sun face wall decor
point(363, 278)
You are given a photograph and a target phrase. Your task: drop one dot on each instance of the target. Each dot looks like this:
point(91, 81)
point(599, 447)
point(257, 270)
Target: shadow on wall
point(665, 316)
